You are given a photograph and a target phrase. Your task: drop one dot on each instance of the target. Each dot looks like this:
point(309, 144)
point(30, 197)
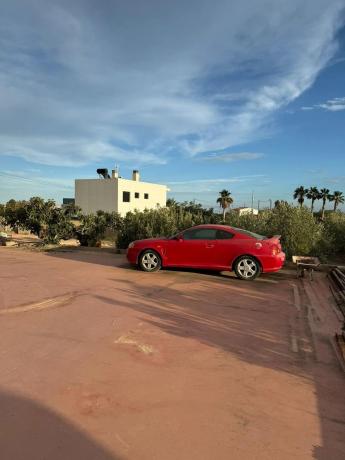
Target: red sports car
point(210, 247)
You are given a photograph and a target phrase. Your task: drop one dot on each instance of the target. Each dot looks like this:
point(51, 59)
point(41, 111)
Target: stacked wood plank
point(338, 287)
point(337, 278)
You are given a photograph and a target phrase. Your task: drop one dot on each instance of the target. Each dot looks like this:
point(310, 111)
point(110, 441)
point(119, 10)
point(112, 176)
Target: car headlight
point(131, 245)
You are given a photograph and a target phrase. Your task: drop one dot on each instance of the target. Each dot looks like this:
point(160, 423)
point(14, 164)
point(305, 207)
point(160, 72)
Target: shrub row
point(301, 232)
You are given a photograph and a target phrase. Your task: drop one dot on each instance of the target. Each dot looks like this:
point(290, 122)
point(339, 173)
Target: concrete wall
point(107, 194)
point(95, 194)
point(157, 195)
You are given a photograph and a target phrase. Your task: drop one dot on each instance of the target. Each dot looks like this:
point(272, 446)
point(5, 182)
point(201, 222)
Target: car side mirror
point(177, 237)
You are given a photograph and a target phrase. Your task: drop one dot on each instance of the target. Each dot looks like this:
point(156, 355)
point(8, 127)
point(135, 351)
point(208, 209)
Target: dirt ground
point(100, 361)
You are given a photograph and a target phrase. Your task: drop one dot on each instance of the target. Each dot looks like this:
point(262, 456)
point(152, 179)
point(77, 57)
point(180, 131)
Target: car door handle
point(209, 246)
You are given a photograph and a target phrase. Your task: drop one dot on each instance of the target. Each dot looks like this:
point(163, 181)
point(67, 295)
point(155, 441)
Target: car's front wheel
point(247, 268)
point(150, 261)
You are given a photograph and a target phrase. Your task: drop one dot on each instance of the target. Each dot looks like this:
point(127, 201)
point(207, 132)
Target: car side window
point(200, 234)
point(223, 235)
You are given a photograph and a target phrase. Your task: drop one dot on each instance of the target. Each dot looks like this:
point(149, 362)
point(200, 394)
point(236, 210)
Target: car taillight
point(275, 250)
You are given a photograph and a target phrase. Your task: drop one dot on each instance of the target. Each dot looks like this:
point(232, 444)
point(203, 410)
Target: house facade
point(114, 193)
point(243, 211)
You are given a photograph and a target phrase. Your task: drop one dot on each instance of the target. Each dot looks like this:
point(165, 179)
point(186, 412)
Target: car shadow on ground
point(110, 258)
point(99, 256)
point(32, 431)
point(251, 321)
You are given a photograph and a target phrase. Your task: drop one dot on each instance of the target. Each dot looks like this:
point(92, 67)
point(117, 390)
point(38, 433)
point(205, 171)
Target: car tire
point(150, 261)
point(247, 268)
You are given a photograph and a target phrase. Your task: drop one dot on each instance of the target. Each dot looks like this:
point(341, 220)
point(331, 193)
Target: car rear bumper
point(273, 263)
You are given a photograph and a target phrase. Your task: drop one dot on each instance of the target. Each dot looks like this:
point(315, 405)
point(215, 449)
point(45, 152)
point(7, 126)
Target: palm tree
point(299, 194)
point(338, 198)
point(225, 200)
point(324, 195)
point(313, 194)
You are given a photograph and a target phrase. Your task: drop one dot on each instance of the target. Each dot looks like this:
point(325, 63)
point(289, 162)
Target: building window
point(146, 196)
point(136, 194)
point(126, 197)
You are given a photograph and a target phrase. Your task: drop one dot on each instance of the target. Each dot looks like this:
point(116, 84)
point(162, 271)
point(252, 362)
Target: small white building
point(117, 194)
point(243, 211)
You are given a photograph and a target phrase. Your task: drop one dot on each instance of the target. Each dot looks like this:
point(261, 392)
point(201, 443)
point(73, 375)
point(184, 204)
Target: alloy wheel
point(150, 261)
point(247, 268)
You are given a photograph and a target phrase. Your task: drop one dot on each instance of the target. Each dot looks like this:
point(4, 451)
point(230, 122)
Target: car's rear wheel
point(150, 261)
point(247, 268)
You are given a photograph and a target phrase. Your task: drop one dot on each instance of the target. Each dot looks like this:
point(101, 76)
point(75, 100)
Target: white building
point(242, 211)
point(117, 194)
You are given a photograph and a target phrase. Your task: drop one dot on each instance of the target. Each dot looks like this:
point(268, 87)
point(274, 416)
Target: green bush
point(15, 214)
point(300, 231)
point(38, 215)
point(161, 222)
point(333, 235)
point(91, 229)
point(58, 227)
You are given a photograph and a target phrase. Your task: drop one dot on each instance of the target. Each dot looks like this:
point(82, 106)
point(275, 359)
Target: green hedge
point(301, 232)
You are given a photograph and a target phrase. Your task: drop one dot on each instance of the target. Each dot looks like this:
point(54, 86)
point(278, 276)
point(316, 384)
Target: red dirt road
point(100, 361)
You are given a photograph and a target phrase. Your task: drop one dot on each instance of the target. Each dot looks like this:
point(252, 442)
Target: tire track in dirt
point(53, 302)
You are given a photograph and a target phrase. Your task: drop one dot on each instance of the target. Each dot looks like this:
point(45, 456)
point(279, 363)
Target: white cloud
point(336, 180)
point(212, 184)
point(74, 152)
point(15, 179)
point(23, 185)
point(230, 157)
point(139, 82)
point(332, 105)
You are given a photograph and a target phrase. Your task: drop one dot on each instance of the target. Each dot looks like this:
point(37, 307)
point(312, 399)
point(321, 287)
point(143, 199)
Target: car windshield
point(175, 237)
point(252, 234)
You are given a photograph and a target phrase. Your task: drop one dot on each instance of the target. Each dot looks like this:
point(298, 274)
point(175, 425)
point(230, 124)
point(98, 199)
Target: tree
point(192, 206)
point(171, 202)
point(38, 214)
point(313, 194)
point(324, 196)
point(58, 226)
point(112, 220)
point(15, 214)
point(2, 216)
point(278, 203)
point(72, 211)
point(299, 229)
point(91, 229)
point(225, 201)
point(299, 194)
point(338, 199)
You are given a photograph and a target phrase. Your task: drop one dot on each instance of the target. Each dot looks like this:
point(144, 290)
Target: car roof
point(215, 226)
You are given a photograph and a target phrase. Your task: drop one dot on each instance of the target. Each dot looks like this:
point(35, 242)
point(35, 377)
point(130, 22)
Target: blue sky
point(201, 96)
